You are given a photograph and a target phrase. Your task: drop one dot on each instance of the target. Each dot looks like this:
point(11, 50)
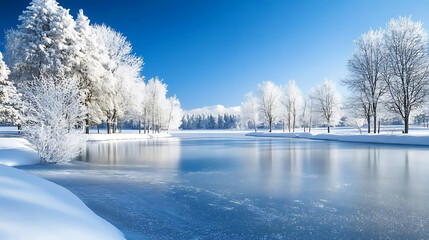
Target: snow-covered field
point(389, 135)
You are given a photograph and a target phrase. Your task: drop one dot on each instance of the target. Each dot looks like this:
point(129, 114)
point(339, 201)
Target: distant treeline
point(210, 121)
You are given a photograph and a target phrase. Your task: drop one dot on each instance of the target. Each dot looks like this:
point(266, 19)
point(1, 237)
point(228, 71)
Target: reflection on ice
point(159, 153)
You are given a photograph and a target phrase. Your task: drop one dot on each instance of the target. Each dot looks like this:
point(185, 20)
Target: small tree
point(52, 111)
point(173, 113)
point(270, 95)
point(250, 110)
point(328, 103)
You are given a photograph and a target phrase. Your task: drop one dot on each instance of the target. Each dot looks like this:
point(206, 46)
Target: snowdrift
point(34, 208)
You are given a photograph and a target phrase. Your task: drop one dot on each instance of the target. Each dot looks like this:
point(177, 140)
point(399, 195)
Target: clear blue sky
point(213, 52)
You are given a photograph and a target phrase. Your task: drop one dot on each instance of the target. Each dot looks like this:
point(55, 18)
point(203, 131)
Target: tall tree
point(9, 98)
point(123, 70)
point(156, 92)
point(407, 62)
point(366, 67)
point(292, 102)
point(90, 71)
point(44, 44)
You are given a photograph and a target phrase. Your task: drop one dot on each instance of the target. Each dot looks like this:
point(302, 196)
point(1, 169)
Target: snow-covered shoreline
point(385, 138)
point(124, 136)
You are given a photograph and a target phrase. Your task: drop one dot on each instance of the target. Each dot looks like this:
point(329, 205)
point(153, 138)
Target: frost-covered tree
point(155, 92)
point(270, 97)
point(123, 71)
point(44, 44)
point(313, 115)
point(328, 103)
point(407, 63)
point(250, 110)
point(173, 114)
point(292, 104)
point(90, 71)
point(9, 97)
point(361, 108)
point(367, 74)
point(305, 112)
point(52, 111)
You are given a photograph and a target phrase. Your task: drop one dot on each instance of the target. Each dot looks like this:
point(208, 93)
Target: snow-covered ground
point(34, 208)
point(15, 150)
point(389, 135)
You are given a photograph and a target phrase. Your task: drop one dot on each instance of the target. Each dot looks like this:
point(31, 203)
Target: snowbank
point(16, 151)
point(34, 208)
point(124, 136)
point(404, 139)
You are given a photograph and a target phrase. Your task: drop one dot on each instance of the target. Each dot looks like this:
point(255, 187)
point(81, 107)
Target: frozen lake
point(228, 186)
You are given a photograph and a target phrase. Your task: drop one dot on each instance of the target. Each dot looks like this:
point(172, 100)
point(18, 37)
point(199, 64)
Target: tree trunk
point(140, 125)
point(98, 128)
point(87, 124)
point(329, 126)
point(293, 126)
point(406, 120)
point(379, 123)
point(375, 122)
point(368, 121)
point(283, 126)
point(114, 125)
point(254, 125)
point(108, 125)
point(270, 125)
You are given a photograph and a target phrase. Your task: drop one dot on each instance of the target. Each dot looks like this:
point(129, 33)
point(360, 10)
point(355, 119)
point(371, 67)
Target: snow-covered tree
point(173, 114)
point(155, 92)
point(408, 66)
point(123, 71)
point(270, 97)
point(9, 98)
point(313, 115)
point(90, 71)
point(292, 104)
point(328, 103)
point(52, 111)
point(367, 74)
point(250, 110)
point(305, 112)
point(44, 44)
